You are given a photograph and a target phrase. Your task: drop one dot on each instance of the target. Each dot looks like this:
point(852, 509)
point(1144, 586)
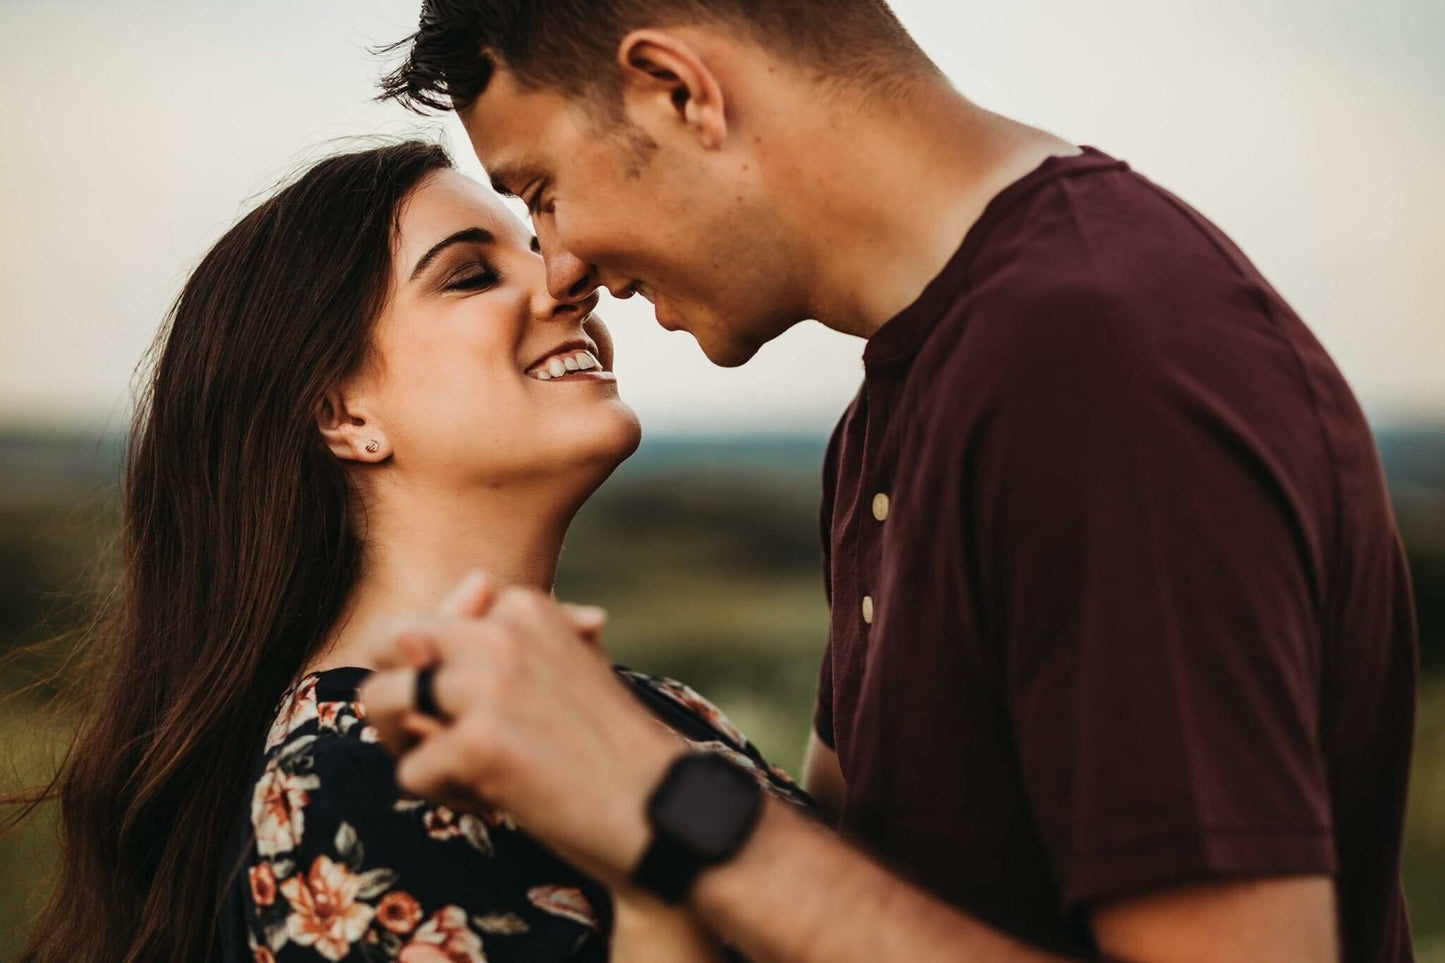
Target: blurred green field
point(705, 554)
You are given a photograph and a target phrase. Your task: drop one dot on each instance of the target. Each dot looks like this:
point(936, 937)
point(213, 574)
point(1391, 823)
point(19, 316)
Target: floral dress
point(335, 862)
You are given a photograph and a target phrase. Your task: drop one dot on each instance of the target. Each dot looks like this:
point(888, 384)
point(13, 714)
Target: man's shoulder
point(1109, 239)
point(1108, 280)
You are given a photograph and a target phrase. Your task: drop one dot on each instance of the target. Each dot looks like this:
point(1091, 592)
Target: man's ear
point(664, 75)
point(349, 434)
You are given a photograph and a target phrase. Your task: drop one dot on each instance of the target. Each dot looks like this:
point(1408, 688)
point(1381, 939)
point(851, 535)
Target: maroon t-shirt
point(1118, 602)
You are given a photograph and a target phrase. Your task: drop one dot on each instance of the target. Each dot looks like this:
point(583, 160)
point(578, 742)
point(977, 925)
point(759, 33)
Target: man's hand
point(540, 726)
point(538, 723)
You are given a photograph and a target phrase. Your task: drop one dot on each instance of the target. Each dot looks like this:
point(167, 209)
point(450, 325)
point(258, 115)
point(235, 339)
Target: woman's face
point(478, 376)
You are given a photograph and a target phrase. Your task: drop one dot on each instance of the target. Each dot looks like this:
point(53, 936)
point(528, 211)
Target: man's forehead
point(503, 123)
point(506, 124)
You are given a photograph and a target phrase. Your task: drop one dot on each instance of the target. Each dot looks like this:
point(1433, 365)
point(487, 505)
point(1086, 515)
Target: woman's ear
point(666, 77)
point(349, 434)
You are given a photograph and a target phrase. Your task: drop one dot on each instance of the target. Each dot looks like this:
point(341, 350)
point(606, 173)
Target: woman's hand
point(647, 930)
point(534, 721)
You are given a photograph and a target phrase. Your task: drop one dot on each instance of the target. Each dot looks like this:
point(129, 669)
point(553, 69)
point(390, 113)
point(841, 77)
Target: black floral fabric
point(334, 862)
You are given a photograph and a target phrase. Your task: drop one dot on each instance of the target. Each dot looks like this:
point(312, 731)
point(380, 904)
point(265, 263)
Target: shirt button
point(880, 507)
point(868, 609)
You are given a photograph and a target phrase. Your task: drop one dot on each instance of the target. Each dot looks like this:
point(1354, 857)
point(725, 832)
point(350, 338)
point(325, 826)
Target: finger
point(417, 726)
point(472, 597)
point(385, 699)
point(397, 643)
point(436, 767)
point(461, 801)
point(417, 650)
point(589, 621)
point(412, 643)
point(534, 615)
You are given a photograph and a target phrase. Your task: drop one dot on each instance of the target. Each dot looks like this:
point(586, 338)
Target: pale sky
point(1312, 131)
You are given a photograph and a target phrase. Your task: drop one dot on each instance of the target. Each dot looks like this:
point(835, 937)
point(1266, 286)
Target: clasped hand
point(534, 722)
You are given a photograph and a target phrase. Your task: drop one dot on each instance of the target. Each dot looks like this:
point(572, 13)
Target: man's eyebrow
point(471, 235)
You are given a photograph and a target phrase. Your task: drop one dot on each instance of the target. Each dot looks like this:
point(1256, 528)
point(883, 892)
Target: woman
point(365, 390)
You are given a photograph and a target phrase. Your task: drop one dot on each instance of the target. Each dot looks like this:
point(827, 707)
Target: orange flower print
point(263, 884)
point(567, 902)
point(328, 712)
point(297, 707)
point(444, 938)
point(398, 912)
point(276, 809)
point(441, 823)
point(325, 913)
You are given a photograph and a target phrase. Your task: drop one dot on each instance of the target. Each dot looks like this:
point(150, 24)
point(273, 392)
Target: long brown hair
point(238, 553)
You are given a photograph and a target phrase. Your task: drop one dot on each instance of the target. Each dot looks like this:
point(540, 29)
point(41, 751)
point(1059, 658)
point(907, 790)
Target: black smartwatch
point(701, 813)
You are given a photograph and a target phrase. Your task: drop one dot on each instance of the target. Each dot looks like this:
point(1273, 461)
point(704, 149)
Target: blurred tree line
point(683, 514)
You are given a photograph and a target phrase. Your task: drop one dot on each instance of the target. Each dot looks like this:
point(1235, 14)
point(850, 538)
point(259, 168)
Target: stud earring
point(372, 446)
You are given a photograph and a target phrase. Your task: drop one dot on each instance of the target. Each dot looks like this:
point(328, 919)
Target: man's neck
point(420, 544)
point(889, 191)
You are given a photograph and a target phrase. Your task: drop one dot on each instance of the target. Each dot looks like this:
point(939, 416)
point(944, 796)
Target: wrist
point(631, 833)
point(700, 815)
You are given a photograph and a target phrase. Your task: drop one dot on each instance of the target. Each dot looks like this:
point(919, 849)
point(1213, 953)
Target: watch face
point(708, 806)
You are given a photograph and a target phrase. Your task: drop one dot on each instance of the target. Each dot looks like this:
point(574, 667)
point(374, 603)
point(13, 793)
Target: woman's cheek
point(599, 333)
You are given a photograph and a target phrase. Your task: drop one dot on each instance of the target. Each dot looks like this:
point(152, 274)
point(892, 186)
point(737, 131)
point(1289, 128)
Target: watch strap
point(667, 869)
point(672, 862)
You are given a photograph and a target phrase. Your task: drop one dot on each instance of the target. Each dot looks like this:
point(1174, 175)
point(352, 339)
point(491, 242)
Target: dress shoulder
point(342, 865)
point(707, 729)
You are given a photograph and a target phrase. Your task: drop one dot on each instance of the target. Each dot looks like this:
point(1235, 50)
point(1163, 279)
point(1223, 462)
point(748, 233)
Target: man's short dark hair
point(571, 45)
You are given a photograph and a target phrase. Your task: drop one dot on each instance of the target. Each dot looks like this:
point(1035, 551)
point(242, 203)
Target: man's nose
point(574, 301)
point(569, 278)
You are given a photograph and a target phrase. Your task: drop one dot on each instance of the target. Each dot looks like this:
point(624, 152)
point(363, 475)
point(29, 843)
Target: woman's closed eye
point(474, 277)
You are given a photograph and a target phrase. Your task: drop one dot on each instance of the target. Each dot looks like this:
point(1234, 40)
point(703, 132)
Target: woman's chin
point(600, 444)
point(620, 439)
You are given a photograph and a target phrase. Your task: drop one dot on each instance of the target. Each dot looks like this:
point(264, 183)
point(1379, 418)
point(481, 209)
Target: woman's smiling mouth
point(569, 362)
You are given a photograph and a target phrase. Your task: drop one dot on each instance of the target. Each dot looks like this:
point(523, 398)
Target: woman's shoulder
point(320, 703)
point(708, 729)
point(343, 865)
point(321, 739)
point(321, 758)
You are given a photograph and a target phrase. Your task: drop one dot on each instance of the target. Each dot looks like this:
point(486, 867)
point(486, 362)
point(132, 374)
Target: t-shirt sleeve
point(823, 707)
point(346, 868)
point(1149, 575)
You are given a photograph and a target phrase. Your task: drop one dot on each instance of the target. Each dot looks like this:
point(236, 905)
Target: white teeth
point(560, 366)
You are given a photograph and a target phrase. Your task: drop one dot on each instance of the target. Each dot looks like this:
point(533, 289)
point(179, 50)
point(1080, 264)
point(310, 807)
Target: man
point(1121, 658)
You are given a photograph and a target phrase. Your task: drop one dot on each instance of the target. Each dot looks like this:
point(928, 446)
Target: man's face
point(639, 207)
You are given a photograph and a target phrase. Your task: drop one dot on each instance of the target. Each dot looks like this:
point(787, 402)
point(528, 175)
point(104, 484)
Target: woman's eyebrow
point(471, 235)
